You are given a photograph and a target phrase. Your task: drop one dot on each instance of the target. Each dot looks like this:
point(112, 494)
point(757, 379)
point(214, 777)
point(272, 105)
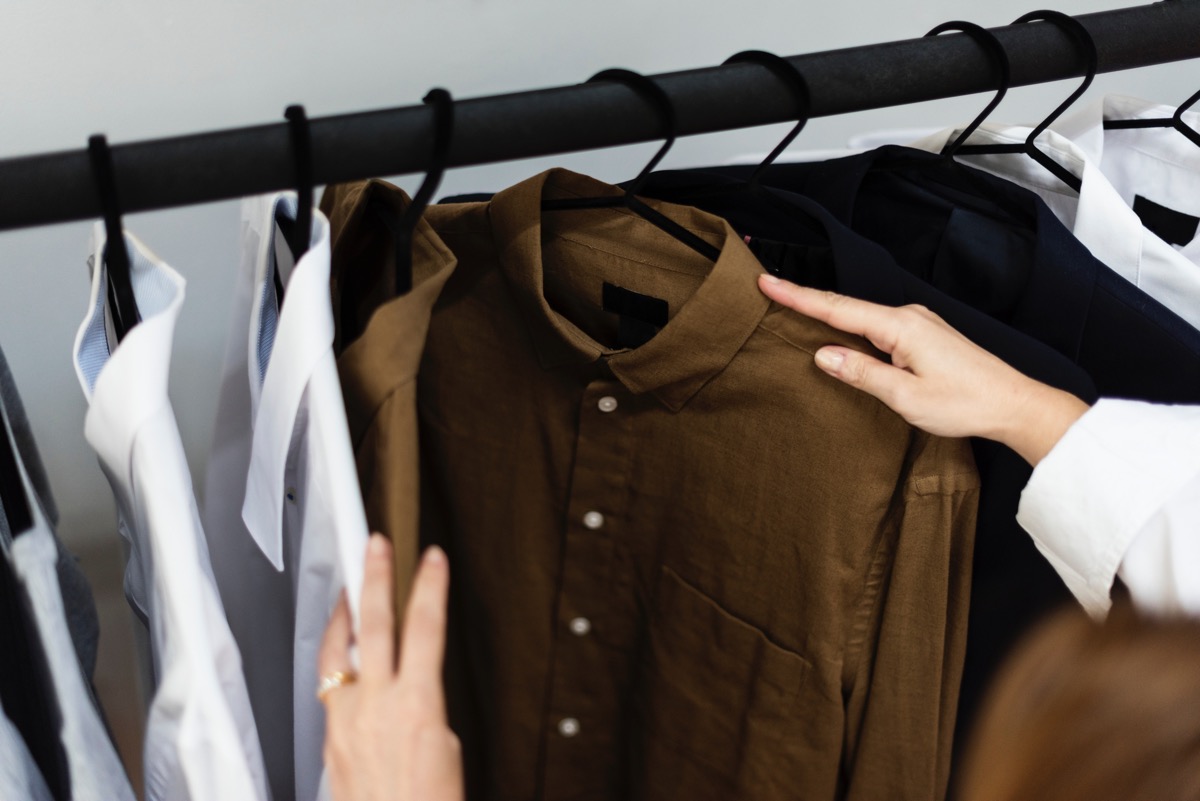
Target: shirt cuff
point(1095, 491)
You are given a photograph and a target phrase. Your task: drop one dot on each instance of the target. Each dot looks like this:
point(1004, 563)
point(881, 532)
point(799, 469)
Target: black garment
point(26, 690)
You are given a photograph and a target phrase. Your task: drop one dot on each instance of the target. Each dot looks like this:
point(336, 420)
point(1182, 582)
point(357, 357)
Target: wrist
point(1037, 419)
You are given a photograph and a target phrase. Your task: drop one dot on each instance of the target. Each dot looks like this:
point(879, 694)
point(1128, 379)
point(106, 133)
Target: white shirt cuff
point(1113, 470)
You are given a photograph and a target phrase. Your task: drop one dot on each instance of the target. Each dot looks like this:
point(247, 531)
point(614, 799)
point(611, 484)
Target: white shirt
point(1098, 216)
point(283, 509)
point(1120, 495)
point(201, 743)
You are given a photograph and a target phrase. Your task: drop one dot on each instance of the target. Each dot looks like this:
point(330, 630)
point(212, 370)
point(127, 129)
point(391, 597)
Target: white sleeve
point(1120, 494)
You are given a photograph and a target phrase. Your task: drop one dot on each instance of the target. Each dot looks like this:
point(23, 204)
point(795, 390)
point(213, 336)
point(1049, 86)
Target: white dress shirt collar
point(124, 388)
point(302, 334)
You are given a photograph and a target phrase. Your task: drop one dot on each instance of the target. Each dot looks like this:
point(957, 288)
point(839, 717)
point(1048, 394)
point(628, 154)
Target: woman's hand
point(386, 736)
point(938, 380)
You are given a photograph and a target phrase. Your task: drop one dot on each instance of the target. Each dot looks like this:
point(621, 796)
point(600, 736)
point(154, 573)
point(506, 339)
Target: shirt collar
point(695, 345)
point(303, 334)
point(126, 384)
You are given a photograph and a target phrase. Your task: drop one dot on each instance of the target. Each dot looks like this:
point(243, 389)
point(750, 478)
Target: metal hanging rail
point(220, 165)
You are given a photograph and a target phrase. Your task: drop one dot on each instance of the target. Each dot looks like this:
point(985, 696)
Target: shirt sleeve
point(1120, 495)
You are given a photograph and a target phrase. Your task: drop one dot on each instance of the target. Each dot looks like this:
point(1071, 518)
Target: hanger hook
point(1180, 125)
point(301, 144)
point(786, 71)
point(443, 131)
point(115, 256)
point(1075, 29)
point(651, 91)
point(999, 58)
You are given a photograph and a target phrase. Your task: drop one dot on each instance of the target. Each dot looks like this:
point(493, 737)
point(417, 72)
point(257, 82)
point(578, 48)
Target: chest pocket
point(721, 712)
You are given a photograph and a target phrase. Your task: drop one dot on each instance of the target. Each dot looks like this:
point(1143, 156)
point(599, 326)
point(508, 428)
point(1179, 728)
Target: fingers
point(376, 637)
point(886, 382)
point(334, 655)
point(424, 644)
point(880, 324)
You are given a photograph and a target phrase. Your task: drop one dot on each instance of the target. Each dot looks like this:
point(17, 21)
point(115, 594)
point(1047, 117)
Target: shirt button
point(568, 727)
point(607, 404)
point(291, 494)
point(580, 626)
point(593, 520)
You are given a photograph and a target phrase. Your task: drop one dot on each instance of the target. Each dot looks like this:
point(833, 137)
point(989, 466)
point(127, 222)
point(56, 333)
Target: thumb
point(883, 381)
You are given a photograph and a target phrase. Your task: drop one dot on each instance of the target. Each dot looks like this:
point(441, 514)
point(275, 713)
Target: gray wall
point(138, 69)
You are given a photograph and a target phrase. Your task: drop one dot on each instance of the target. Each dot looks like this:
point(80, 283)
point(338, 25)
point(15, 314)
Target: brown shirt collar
point(698, 342)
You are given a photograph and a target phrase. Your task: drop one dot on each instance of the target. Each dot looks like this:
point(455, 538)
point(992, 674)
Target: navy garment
point(998, 248)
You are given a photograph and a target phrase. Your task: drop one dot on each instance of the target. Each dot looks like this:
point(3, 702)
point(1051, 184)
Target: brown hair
point(1090, 711)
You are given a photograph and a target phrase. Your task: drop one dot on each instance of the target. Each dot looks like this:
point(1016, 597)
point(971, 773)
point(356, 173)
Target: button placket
point(580, 693)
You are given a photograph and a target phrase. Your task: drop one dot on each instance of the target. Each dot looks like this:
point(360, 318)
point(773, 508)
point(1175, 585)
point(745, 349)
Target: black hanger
point(298, 231)
point(122, 304)
point(786, 71)
point(650, 90)
point(12, 488)
point(1074, 28)
point(1174, 121)
point(402, 229)
point(988, 41)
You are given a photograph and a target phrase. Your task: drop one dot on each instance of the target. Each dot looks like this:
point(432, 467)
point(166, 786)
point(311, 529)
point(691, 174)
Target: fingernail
point(830, 360)
point(435, 555)
point(770, 279)
point(377, 545)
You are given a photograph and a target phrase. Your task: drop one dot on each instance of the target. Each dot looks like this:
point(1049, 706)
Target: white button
point(568, 727)
point(607, 404)
point(593, 520)
point(581, 626)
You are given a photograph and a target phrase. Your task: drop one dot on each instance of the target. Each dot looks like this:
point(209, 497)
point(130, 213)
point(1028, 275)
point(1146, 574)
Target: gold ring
point(339, 678)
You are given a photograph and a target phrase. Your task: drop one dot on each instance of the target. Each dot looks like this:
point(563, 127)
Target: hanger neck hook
point(787, 72)
point(1074, 28)
point(443, 130)
point(999, 58)
point(1178, 123)
point(115, 255)
point(301, 144)
point(651, 91)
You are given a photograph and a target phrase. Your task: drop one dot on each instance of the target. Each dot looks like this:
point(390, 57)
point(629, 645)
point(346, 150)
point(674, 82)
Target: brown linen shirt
point(695, 569)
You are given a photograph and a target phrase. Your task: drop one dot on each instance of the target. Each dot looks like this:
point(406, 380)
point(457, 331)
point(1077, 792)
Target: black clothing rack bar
point(220, 165)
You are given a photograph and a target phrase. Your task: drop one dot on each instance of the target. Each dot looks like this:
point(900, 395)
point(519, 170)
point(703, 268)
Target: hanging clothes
point(200, 738)
point(26, 690)
point(95, 770)
point(1097, 216)
point(379, 345)
point(78, 601)
point(1155, 172)
point(692, 568)
point(283, 511)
